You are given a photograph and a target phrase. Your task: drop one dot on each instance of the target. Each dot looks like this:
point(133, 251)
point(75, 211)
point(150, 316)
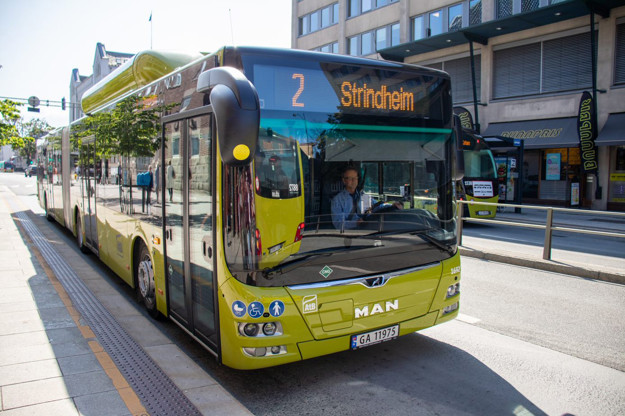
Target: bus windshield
point(479, 164)
point(375, 192)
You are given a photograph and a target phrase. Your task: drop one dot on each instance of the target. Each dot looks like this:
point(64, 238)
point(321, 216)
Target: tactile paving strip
point(155, 389)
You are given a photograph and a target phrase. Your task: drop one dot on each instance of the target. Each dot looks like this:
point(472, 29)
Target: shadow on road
point(414, 375)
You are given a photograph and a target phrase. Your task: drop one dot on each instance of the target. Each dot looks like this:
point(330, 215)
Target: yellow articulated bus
point(266, 200)
point(480, 183)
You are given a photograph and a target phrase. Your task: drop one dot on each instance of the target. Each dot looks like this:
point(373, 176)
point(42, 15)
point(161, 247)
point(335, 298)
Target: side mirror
point(458, 171)
point(237, 110)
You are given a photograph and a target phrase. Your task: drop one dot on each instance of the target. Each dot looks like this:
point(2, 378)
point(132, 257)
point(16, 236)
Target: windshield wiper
point(308, 256)
point(421, 233)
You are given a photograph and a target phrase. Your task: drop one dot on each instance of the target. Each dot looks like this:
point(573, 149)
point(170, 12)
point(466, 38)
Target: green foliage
point(29, 132)
point(9, 115)
point(131, 128)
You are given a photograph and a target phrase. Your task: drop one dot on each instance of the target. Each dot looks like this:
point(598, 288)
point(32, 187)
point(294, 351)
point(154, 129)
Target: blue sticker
point(255, 310)
point(238, 308)
point(276, 308)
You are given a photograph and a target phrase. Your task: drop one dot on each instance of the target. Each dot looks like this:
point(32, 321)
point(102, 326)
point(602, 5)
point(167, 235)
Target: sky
point(42, 41)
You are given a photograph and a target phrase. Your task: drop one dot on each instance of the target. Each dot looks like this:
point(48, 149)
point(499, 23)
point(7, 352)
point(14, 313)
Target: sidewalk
point(610, 269)
point(52, 363)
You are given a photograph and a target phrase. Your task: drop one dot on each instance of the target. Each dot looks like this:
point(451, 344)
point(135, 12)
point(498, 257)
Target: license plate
point(375, 337)
point(483, 213)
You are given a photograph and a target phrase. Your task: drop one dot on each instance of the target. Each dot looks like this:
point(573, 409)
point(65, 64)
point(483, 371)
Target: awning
point(613, 132)
point(539, 134)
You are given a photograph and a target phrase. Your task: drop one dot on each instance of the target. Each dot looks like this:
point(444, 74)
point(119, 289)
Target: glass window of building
point(435, 22)
point(395, 34)
point(367, 43)
point(475, 12)
point(619, 61)
point(325, 17)
point(529, 5)
point(418, 29)
point(454, 14)
point(380, 39)
point(352, 46)
point(314, 21)
point(357, 7)
point(319, 19)
point(504, 8)
point(354, 8)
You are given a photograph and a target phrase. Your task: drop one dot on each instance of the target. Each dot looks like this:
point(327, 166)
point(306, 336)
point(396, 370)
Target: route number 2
point(300, 90)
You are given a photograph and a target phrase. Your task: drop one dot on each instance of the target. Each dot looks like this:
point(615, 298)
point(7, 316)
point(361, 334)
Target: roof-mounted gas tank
point(144, 68)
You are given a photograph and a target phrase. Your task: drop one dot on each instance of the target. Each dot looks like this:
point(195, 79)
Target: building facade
point(519, 66)
point(104, 62)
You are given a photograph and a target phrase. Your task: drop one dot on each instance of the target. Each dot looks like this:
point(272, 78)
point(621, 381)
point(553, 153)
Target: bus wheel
point(80, 241)
point(145, 281)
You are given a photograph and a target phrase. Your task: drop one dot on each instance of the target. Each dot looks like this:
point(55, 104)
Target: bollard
point(547, 248)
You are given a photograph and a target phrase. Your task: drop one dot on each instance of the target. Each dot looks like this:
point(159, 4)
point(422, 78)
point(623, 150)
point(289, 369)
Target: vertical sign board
point(587, 130)
point(465, 117)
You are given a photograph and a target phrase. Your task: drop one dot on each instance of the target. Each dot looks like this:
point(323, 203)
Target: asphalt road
point(527, 342)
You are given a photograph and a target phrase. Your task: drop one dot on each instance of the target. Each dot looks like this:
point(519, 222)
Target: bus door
point(189, 245)
point(88, 184)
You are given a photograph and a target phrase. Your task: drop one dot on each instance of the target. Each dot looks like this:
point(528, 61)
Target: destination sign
point(338, 88)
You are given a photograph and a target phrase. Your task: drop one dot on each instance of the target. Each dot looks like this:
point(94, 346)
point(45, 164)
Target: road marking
point(467, 319)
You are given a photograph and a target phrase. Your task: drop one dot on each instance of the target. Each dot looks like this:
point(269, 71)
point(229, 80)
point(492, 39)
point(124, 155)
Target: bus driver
point(346, 204)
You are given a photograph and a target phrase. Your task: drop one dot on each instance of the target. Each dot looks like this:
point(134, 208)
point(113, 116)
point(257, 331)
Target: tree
point(9, 115)
point(29, 132)
point(130, 129)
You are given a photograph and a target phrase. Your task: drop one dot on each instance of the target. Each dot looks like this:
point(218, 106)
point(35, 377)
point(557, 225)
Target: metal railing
point(549, 226)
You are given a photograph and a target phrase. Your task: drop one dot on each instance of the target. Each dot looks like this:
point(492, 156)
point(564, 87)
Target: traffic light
point(63, 103)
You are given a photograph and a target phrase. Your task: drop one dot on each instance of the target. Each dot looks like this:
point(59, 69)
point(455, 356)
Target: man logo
point(376, 309)
point(309, 303)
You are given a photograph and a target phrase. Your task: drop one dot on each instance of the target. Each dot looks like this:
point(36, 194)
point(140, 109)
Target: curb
point(546, 265)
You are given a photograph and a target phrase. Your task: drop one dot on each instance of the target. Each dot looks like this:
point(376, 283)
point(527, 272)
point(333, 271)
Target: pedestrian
point(171, 175)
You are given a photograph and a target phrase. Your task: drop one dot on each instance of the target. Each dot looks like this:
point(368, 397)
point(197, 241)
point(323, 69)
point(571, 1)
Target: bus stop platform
point(65, 347)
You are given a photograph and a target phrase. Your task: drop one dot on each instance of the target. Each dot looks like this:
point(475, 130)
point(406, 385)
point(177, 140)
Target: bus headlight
point(249, 329)
point(269, 328)
point(453, 290)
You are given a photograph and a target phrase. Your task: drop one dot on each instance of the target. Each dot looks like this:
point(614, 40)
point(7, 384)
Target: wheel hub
point(146, 279)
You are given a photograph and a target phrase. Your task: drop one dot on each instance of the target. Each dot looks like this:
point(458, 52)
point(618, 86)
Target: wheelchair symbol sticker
point(255, 310)
point(238, 308)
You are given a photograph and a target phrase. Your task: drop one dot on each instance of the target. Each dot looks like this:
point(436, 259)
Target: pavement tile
point(214, 400)
point(34, 392)
point(15, 294)
point(64, 407)
point(23, 340)
point(77, 364)
point(30, 371)
point(101, 404)
point(23, 354)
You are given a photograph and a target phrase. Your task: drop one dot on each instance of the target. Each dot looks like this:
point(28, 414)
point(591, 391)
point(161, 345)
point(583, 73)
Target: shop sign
point(587, 130)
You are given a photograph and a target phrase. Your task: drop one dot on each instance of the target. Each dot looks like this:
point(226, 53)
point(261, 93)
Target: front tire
point(145, 281)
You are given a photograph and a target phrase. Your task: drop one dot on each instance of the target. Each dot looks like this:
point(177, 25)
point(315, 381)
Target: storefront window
point(617, 177)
